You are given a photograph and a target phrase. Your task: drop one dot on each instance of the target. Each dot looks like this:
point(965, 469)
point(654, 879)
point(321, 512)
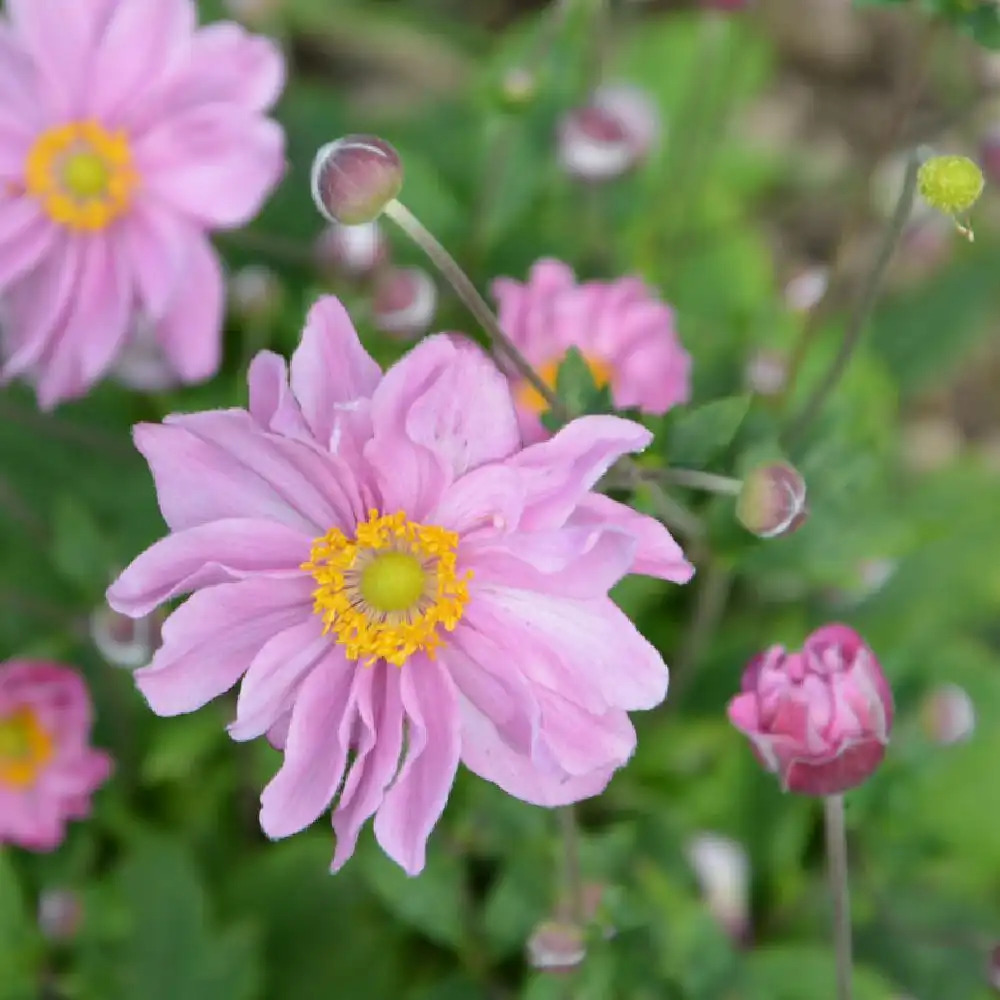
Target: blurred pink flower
point(125, 134)
point(391, 574)
point(48, 770)
point(624, 332)
point(819, 719)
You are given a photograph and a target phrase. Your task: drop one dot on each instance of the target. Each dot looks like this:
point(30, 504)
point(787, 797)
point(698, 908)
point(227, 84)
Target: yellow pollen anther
point(25, 748)
point(386, 594)
point(530, 398)
point(82, 175)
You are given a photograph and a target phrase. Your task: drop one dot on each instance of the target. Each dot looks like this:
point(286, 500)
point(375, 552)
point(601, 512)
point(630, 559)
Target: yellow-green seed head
point(951, 184)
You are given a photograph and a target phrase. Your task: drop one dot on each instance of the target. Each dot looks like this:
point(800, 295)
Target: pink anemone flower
point(48, 770)
point(625, 334)
point(398, 585)
point(125, 135)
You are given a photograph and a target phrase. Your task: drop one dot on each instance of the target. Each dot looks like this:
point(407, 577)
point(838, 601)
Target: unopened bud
point(60, 913)
point(351, 251)
point(951, 184)
point(142, 364)
point(518, 87)
point(404, 301)
point(123, 641)
point(556, 947)
point(766, 372)
point(354, 178)
point(948, 715)
point(806, 289)
point(722, 868)
point(610, 135)
point(255, 293)
point(772, 501)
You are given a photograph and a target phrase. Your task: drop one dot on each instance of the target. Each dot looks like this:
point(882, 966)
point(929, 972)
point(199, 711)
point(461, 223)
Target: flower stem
point(572, 877)
point(836, 851)
point(707, 481)
point(864, 306)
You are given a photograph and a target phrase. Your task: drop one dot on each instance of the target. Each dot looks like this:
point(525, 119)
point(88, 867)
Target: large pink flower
point(820, 719)
point(392, 576)
point(48, 770)
point(625, 334)
point(125, 134)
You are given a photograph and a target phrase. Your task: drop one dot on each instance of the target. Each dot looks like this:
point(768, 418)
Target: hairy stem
point(836, 852)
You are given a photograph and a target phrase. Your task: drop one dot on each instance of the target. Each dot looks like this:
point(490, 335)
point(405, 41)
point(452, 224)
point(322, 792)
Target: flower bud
point(722, 868)
point(354, 178)
point(556, 946)
point(351, 251)
point(518, 87)
point(255, 293)
point(772, 501)
point(403, 302)
point(951, 184)
point(766, 372)
point(948, 715)
point(123, 641)
point(142, 364)
point(60, 913)
point(819, 718)
point(609, 136)
point(806, 289)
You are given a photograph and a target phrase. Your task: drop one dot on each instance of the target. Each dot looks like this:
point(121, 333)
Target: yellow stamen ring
point(385, 593)
point(82, 175)
point(25, 748)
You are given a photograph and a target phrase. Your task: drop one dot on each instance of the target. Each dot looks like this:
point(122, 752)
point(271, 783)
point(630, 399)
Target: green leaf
point(20, 950)
point(805, 972)
point(699, 435)
point(79, 550)
point(577, 388)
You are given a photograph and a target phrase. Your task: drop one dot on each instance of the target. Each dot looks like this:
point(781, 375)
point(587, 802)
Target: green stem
point(697, 480)
point(864, 306)
point(836, 852)
point(572, 876)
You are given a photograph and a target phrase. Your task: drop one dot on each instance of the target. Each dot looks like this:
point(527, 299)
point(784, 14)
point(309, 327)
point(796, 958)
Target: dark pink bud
point(772, 501)
point(820, 718)
point(351, 251)
point(556, 946)
point(404, 301)
point(610, 135)
point(354, 178)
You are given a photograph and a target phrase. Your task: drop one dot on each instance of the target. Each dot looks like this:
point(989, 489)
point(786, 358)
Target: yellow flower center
point(387, 593)
point(530, 398)
point(82, 174)
point(25, 748)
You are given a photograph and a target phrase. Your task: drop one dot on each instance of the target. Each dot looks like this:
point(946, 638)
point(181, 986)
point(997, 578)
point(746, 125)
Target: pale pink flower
point(624, 332)
point(125, 135)
point(820, 719)
point(463, 582)
point(48, 770)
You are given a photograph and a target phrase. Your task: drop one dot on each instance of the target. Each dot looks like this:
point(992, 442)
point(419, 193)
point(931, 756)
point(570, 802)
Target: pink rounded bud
point(123, 641)
point(556, 946)
point(60, 914)
point(255, 293)
point(354, 178)
point(609, 136)
point(819, 718)
point(766, 372)
point(772, 501)
point(948, 715)
point(404, 301)
point(351, 251)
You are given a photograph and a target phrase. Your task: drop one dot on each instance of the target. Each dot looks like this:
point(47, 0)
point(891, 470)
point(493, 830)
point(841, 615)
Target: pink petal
point(271, 402)
point(417, 797)
point(486, 501)
point(376, 760)
point(204, 556)
point(157, 246)
point(315, 749)
point(18, 80)
point(557, 473)
point(743, 713)
point(657, 554)
point(273, 678)
point(406, 476)
point(95, 327)
point(581, 743)
point(211, 639)
point(138, 44)
point(485, 753)
point(190, 331)
point(586, 650)
point(215, 163)
point(25, 236)
point(330, 366)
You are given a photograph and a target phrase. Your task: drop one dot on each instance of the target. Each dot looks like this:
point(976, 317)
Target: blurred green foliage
point(185, 900)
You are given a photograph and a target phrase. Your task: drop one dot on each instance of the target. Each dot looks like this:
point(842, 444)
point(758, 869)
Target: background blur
point(783, 133)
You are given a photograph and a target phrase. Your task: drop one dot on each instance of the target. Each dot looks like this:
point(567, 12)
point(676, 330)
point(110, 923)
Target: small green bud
point(772, 501)
point(951, 184)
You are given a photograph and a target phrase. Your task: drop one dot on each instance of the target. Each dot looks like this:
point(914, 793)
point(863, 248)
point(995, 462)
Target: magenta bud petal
point(772, 501)
point(556, 946)
point(820, 718)
point(354, 178)
point(351, 251)
point(404, 301)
